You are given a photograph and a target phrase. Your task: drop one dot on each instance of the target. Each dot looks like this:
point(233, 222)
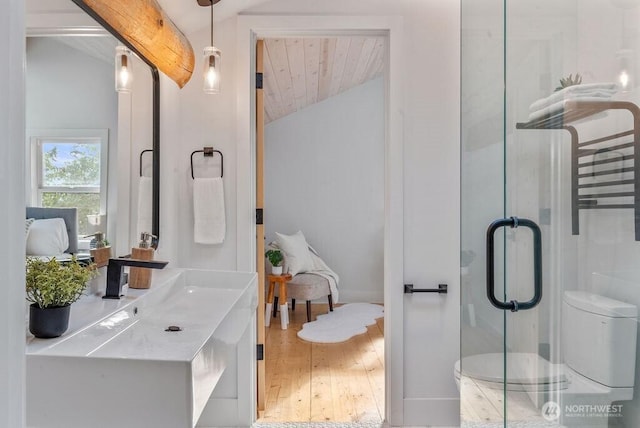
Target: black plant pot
point(48, 322)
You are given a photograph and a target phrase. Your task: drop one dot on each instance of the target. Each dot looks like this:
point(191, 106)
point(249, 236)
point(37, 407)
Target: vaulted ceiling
point(299, 72)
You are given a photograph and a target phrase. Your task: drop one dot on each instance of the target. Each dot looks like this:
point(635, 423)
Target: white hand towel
point(208, 209)
point(145, 205)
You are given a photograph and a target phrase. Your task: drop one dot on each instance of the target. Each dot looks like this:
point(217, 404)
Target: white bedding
point(47, 237)
point(64, 257)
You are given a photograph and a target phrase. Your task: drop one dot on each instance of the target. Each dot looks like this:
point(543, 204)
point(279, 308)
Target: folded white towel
point(145, 205)
point(592, 90)
point(557, 108)
point(208, 209)
point(603, 94)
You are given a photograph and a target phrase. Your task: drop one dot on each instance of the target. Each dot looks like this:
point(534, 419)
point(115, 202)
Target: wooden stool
point(284, 308)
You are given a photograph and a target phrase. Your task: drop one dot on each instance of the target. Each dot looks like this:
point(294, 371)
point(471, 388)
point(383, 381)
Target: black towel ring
point(208, 152)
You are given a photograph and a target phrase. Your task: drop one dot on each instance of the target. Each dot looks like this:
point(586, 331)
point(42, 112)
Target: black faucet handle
point(151, 264)
point(114, 273)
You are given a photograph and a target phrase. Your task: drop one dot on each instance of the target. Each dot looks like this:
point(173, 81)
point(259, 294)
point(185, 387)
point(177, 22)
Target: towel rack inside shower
point(208, 152)
point(142, 153)
point(611, 175)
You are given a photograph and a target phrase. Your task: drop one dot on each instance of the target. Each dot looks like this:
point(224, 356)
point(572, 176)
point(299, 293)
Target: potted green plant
point(52, 287)
point(275, 258)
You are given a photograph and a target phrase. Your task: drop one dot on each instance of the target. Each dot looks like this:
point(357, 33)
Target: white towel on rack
point(208, 209)
point(559, 107)
point(588, 90)
point(145, 205)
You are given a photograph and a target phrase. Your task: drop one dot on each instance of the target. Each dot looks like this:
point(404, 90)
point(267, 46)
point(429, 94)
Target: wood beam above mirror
point(149, 29)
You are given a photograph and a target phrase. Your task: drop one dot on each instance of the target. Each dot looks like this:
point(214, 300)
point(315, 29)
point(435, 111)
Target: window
point(69, 169)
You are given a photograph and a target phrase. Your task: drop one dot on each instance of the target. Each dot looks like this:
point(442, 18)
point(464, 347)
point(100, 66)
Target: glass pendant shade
point(123, 74)
point(211, 70)
point(625, 70)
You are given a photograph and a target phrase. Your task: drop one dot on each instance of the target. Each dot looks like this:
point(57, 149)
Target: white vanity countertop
point(113, 346)
point(134, 326)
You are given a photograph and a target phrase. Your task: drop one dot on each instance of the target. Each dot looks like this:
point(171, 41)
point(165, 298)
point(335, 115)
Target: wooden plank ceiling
point(299, 72)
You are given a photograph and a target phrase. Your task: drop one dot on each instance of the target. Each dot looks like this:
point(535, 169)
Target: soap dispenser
point(99, 250)
point(141, 277)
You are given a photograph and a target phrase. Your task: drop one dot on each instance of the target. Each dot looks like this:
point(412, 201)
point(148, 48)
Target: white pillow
point(296, 252)
point(47, 237)
point(27, 226)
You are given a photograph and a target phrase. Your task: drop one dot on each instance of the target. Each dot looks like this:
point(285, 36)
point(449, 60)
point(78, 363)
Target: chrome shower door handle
point(514, 305)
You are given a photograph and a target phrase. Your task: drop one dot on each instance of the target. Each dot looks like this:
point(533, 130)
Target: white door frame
point(249, 28)
point(12, 131)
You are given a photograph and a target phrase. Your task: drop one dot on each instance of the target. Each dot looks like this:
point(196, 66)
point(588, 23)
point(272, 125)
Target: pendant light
point(211, 75)
point(625, 69)
point(123, 75)
point(625, 56)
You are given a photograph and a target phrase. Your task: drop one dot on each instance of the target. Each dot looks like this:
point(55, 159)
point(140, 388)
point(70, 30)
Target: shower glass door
point(548, 203)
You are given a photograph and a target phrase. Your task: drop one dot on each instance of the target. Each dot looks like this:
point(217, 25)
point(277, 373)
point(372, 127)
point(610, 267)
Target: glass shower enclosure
point(550, 246)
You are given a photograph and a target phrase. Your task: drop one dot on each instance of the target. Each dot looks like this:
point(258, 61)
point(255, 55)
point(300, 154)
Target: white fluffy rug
point(342, 324)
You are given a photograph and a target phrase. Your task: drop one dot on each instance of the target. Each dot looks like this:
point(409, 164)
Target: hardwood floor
point(339, 382)
point(482, 404)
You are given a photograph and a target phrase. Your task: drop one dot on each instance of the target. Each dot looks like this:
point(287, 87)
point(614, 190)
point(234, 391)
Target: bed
point(70, 217)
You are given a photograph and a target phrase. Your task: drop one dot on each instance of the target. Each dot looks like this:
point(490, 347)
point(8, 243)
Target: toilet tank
point(599, 338)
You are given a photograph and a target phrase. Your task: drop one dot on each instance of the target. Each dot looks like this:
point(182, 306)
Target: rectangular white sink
point(118, 366)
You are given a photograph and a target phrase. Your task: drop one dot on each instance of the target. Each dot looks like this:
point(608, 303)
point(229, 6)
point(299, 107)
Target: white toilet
point(599, 347)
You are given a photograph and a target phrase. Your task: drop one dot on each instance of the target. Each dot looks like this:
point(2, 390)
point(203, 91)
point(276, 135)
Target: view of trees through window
point(71, 178)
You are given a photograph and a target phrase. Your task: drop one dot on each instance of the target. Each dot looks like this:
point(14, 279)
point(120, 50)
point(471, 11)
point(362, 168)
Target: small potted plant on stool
point(275, 258)
point(52, 286)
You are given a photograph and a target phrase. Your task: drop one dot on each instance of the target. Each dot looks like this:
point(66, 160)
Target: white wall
point(205, 120)
point(430, 125)
point(69, 89)
point(169, 176)
point(324, 175)
point(12, 306)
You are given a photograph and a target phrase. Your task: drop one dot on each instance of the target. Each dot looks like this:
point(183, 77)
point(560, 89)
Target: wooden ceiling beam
point(144, 25)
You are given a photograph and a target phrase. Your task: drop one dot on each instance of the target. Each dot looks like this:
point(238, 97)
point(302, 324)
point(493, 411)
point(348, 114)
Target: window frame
point(36, 139)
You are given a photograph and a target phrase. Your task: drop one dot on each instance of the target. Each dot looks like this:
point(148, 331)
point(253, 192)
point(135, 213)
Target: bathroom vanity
point(180, 354)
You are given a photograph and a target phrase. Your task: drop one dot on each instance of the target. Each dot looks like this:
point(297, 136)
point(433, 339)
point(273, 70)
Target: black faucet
point(114, 273)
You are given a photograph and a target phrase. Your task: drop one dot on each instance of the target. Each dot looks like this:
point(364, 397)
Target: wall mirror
point(79, 129)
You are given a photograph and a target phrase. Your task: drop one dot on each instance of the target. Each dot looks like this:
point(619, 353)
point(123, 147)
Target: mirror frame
point(155, 216)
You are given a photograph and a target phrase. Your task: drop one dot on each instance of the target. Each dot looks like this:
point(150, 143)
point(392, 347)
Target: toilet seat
point(525, 372)
point(487, 370)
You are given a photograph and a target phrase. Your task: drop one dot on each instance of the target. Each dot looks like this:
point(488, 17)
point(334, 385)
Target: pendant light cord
point(211, 22)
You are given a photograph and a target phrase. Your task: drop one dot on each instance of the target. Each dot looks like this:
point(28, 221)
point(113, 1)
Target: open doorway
point(324, 160)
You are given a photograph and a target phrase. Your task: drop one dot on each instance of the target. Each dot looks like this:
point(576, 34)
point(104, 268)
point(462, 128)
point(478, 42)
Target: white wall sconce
point(123, 74)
